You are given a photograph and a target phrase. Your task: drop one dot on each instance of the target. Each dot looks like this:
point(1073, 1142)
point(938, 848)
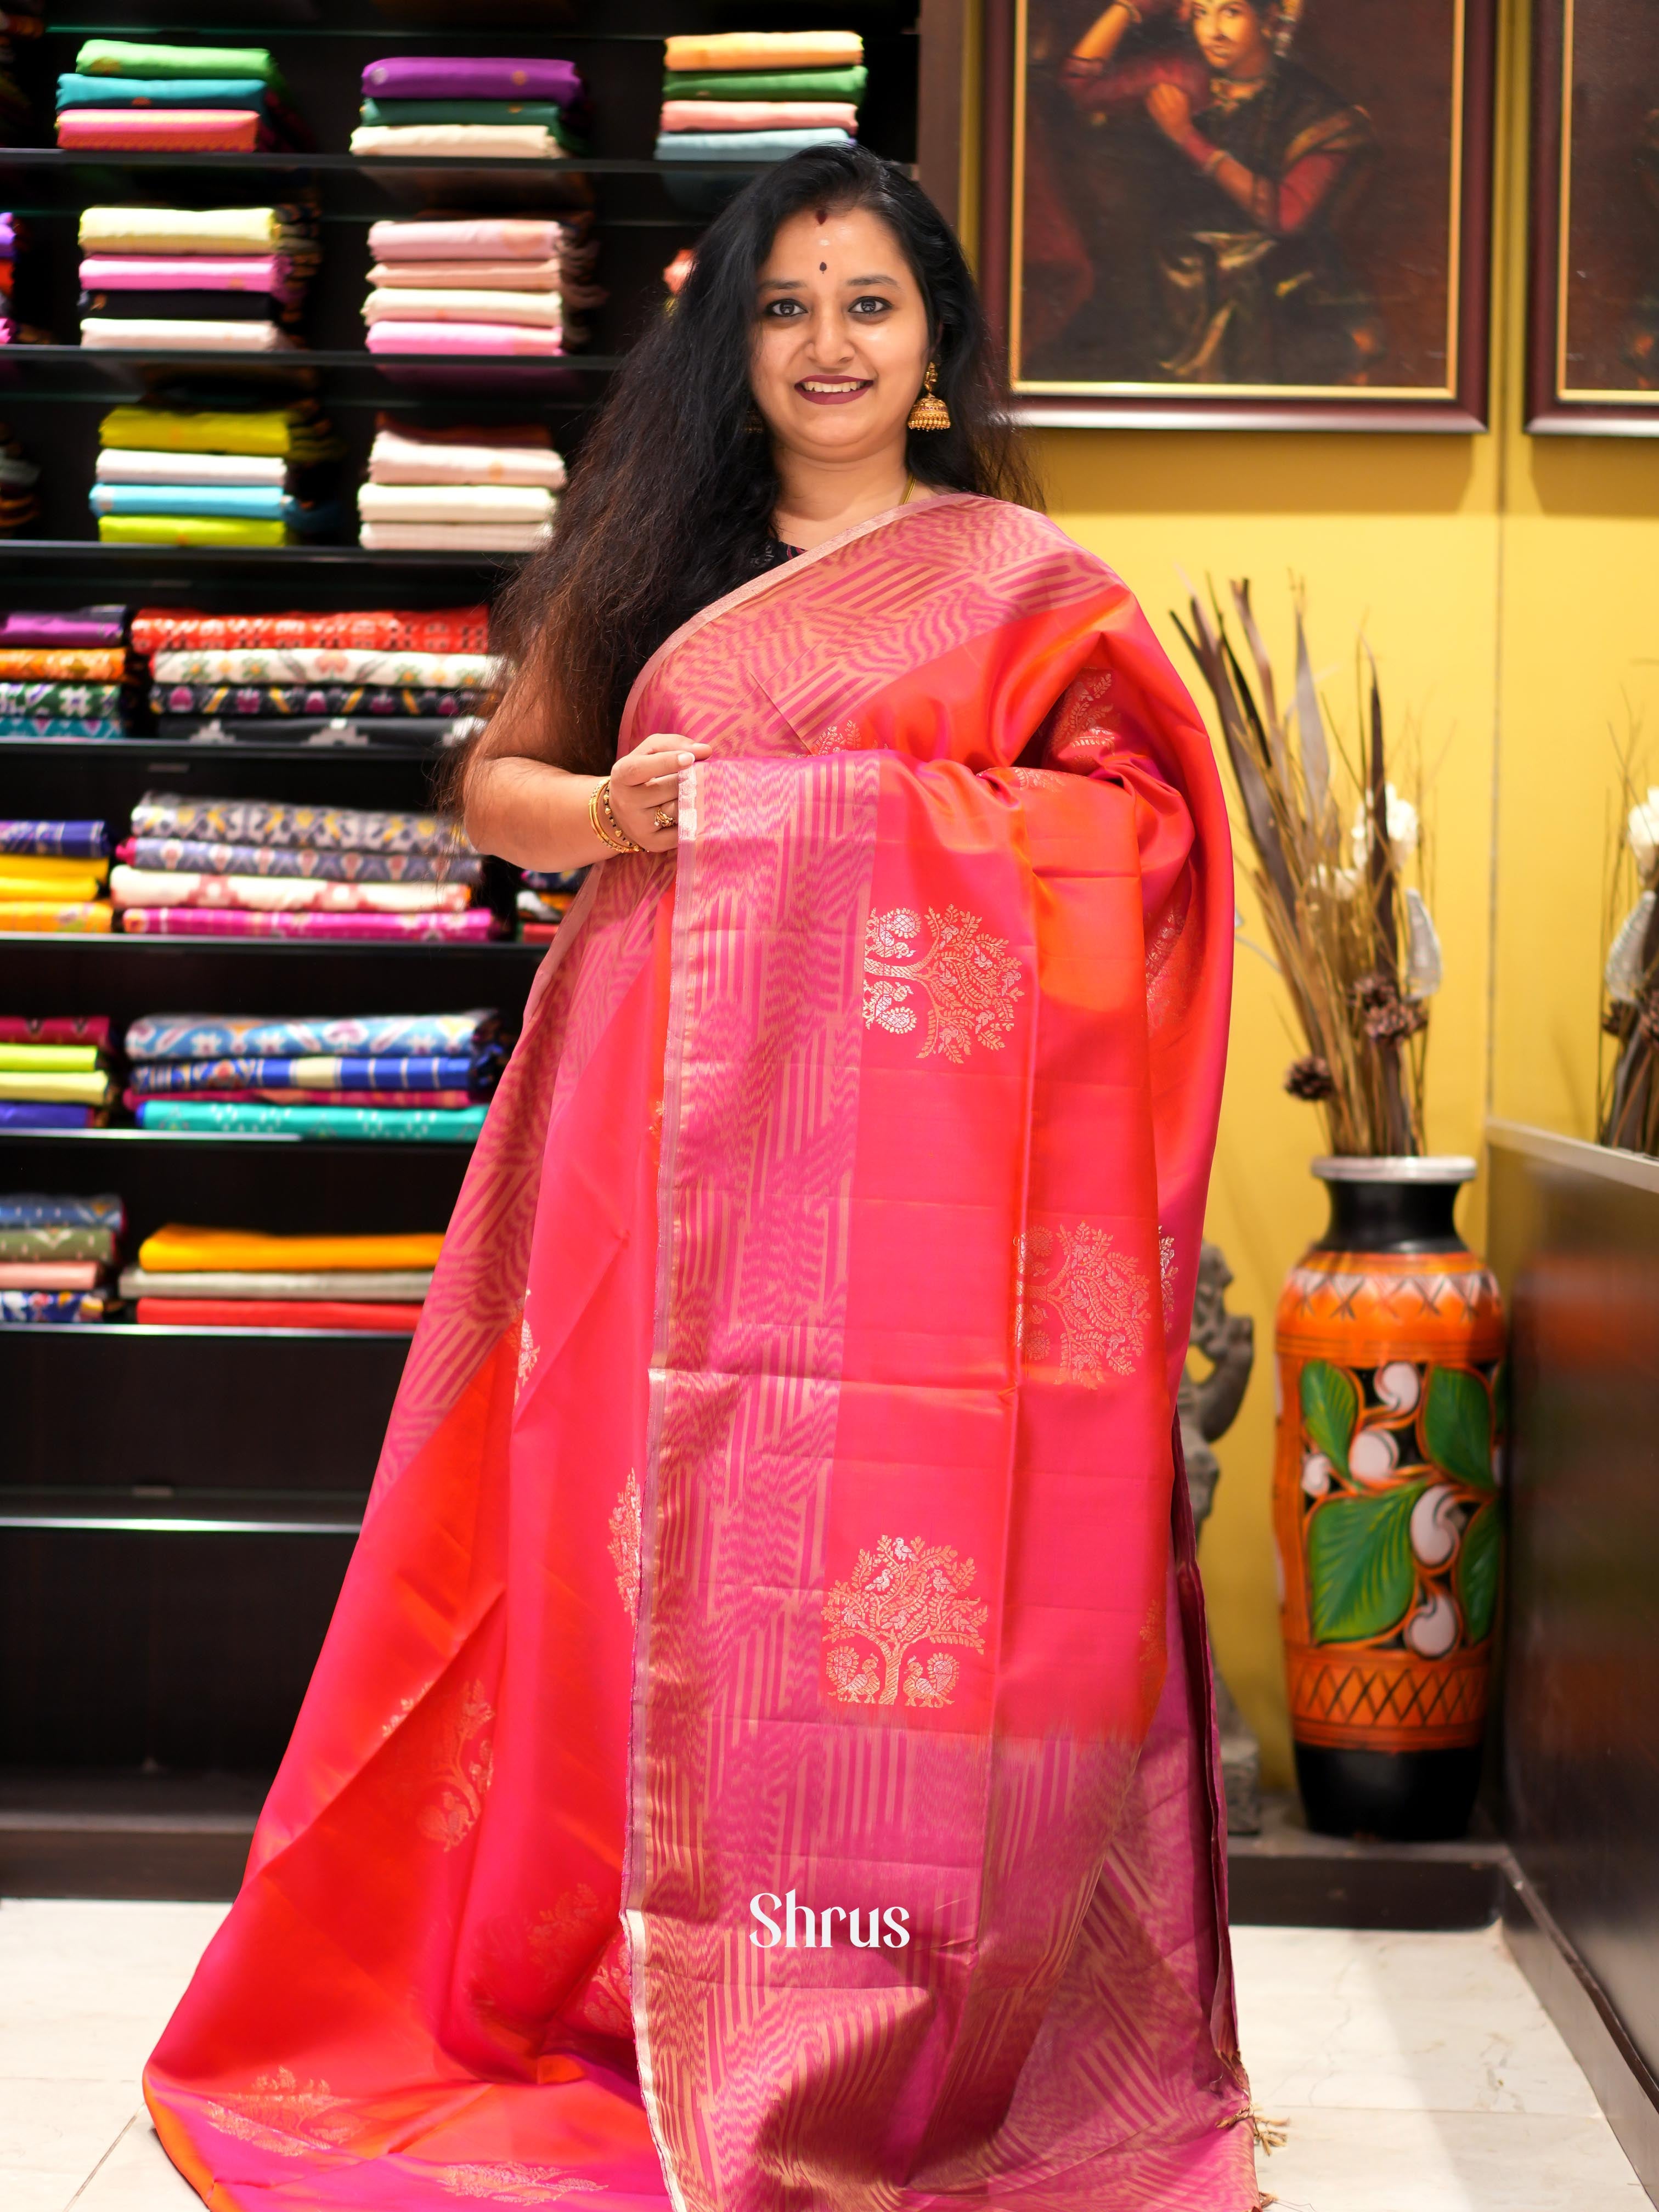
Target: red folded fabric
point(447, 629)
point(54, 1028)
point(274, 1313)
point(183, 130)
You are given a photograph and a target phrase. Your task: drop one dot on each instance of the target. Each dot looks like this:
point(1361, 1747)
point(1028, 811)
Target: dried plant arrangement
point(1627, 1109)
point(1332, 840)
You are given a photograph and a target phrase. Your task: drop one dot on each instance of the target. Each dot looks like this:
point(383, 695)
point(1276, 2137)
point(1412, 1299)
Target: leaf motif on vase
point(1477, 1572)
point(1457, 1425)
point(1361, 1577)
point(1330, 1410)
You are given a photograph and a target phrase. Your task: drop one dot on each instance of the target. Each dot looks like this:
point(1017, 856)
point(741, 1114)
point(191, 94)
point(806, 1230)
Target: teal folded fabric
point(223, 502)
point(243, 92)
point(706, 146)
point(546, 112)
point(455, 1125)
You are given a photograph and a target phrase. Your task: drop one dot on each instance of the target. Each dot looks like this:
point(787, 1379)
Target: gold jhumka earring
point(930, 411)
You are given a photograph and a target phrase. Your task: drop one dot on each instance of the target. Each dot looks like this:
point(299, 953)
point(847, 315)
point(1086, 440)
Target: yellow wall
point(1508, 587)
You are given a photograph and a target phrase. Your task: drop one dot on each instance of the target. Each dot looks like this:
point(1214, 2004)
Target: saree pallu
point(764, 1757)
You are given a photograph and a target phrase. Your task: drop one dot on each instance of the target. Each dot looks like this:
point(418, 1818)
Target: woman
point(1243, 165)
point(763, 1755)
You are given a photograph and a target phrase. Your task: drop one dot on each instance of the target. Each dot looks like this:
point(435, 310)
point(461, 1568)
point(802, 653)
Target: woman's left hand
point(643, 788)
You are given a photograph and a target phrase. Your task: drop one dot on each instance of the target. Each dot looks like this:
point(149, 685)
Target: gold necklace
point(909, 486)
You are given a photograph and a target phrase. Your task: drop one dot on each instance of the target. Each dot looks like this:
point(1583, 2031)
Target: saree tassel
point(1269, 2136)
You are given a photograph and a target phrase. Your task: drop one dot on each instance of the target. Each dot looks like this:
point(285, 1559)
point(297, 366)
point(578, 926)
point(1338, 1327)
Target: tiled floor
point(1414, 2073)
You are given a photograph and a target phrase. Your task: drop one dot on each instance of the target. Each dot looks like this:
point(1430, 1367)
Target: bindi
point(823, 267)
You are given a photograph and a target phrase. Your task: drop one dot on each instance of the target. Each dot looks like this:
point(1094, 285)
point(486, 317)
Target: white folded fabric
point(126, 464)
point(451, 502)
point(396, 461)
point(450, 303)
point(104, 333)
point(459, 141)
point(495, 276)
point(454, 537)
point(324, 664)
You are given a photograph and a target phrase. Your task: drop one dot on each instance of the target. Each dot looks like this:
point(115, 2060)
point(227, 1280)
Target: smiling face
point(842, 341)
point(1232, 37)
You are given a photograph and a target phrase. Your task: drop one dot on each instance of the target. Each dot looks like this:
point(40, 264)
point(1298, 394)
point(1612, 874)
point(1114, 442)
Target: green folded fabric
point(546, 112)
point(57, 1243)
point(126, 57)
point(188, 530)
point(388, 1125)
point(766, 84)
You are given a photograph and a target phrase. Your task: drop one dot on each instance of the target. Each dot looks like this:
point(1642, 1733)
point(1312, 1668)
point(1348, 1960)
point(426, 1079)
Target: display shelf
point(139, 1510)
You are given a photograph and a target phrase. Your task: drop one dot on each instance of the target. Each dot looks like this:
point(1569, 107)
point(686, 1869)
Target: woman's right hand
point(643, 788)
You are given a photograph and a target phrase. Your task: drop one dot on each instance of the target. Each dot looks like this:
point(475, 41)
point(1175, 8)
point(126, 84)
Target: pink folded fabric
point(413, 1101)
point(446, 537)
point(472, 276)
point(758, 115)
point(234, 921)
point(503, 238)
point(185, 272)
point(51, 1274)
point(438, 303)
point(500, 339)
point(168, 887)
point(180, 130)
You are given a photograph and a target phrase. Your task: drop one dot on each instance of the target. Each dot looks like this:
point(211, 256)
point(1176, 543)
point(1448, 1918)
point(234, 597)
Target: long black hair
point(670, 496)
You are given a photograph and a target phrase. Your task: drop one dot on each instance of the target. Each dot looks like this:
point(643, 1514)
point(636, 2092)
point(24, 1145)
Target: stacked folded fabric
point(488, 107)
point(544, 901)
point(239, 1278)
point(389, 1078)
point(52, 877)
point(62, 676)
point(758, 96)
point(250, 868)
point(498, 286)
point(406, 674)
point(54, 1071)
point(14, 236)
point(212, 280)
point(56, 1255)
point(16, 115)
point(223, 476)
point(20, 503)
point(127, 98)
point(460, 489)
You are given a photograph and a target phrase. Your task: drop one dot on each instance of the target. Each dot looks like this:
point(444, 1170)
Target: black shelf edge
point(239, 1140)
point(95, 945)
point(244, 556)
point(57, 159)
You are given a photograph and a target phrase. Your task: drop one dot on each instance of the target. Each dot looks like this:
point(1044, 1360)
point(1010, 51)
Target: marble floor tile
point(137, 2176)
point(1417, 2161)
point(89, 1982)
point(60, 2127)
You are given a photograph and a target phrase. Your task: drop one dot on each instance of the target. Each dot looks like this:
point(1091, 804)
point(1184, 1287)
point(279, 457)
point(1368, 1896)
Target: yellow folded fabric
point(64, 889)
point(51, 868)
point(49, 1059)
point(89, 917)
point(207, 431)
point(45, 1089)
point(764, 50)
point(183, 230)
point(177, 1250)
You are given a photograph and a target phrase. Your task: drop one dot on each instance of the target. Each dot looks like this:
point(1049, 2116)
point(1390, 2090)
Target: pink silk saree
point(763, 1757)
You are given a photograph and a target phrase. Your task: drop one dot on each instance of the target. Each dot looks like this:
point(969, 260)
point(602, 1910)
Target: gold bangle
point(609, 832)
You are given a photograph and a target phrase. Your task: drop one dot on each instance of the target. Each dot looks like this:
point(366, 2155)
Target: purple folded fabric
point(8, 237)
point(25, 1114)
point(91, 626)
point(468, 76)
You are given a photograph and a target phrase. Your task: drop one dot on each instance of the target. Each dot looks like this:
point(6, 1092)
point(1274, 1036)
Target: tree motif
point(529, 1353)
point(903, 1594)
point(467, 1779)
point(968, 979)
point(1075, 1286)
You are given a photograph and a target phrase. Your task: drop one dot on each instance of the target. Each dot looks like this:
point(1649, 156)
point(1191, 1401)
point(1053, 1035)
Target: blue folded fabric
point(705, 146)
point(28, 1114)
point(33, 1209)
point(347, 1072)
point(162, 92)
point(238, 502)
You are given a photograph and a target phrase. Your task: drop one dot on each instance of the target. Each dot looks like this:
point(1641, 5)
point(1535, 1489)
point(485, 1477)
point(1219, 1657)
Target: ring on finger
point(663, 817)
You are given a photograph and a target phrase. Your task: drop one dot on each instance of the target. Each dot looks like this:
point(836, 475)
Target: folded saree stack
point(56, 1255)
point(497, 287)
point(214, 475)
point(54, 1071)
point(543, 902)
point(758, 96)
point(54, 877)
point(464, 489)
point(249, 867)
point(133, 98)
point(240, 1279)
point(406, 676)
point(402, 1078)
point(198, 280)
point(477, 108)
point(63, 675)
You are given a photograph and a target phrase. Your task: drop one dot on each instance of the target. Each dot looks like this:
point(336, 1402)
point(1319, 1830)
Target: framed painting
point(1593, 339)
point(1241, 214)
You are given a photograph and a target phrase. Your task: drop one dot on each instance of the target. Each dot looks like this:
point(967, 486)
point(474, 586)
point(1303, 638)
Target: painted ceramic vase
point(1389, 1342)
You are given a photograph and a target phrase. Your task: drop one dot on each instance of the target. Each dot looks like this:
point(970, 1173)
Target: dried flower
point(1647, 1020)
point(1403, 830)
point(1311, 1078)
point(1619, 1019)
point(1386, 1017)
point(1642, 827)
